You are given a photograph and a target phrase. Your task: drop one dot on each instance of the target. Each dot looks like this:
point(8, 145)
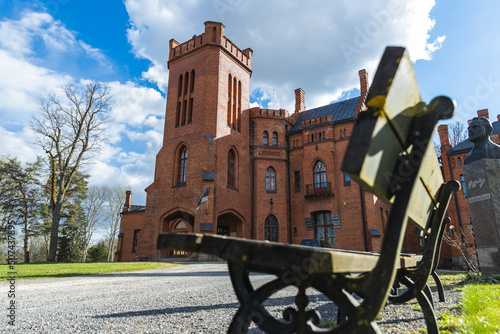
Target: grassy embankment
point(57, 270)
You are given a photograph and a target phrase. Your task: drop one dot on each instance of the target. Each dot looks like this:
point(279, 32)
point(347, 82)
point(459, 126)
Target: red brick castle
point(270, 174)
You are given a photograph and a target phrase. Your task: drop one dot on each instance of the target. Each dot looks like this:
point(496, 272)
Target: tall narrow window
point(184, 112)
point(235, 101)
point(239, 107)
point(319, 173)
point(265, 138)
point(134, 242)
point(271, 228)
point(178, 114)
point(462, 180)
point(459, 162)
point(324, 229)
point(183, 165)
point(192, 81)
point(297, 181)
point(230, 169)
point(186, 82)
point(229, 98)
point(190, 111)
point(270, 180)
point(179, 86)
point(275, 139)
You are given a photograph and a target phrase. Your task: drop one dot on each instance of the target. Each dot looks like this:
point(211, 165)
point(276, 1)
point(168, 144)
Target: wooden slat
point(275, 257)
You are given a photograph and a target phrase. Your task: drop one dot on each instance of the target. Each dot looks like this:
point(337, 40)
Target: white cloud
point(133, 103)
point(318, 46)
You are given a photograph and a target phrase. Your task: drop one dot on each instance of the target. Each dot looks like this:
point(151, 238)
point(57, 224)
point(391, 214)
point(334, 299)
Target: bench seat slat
point(277, 257)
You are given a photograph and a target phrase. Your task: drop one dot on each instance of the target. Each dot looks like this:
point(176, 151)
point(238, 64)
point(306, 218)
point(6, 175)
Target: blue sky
point(318, 46)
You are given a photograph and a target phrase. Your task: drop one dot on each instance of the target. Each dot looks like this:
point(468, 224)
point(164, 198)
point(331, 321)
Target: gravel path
point(196, 298)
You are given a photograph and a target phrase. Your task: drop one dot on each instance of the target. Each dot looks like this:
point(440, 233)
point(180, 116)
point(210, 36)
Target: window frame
point(275, 138)
point(319, 177)
point(271, 232)
point(270, 180)
point(265, 138)
point(183, 157)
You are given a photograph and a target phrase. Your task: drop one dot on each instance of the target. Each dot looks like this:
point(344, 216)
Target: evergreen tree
point(20, 198)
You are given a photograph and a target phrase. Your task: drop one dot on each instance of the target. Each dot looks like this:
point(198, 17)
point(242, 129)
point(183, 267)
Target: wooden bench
point(391, 154)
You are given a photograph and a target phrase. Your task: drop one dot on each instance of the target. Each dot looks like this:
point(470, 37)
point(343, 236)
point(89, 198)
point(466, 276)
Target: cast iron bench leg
point(428, 310)
point(439, 285)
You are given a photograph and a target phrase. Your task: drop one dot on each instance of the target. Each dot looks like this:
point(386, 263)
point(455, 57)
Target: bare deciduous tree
point(116, 199)
point(67, 132)
point(93, 209)
point(457, 132)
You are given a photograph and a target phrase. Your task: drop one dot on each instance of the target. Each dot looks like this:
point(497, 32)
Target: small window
point(270, 180)
point(275, 139)
point(271, 228)
point(320, 136)
point(347, 180)
point(459, 162)
point(297, 181)
point(462, 180)
point(183, 165)
point(134, 244)
point(192, 81)
point(230, 169)
point(265, 138)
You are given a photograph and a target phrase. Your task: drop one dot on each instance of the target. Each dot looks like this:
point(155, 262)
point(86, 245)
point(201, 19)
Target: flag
point(203, 198)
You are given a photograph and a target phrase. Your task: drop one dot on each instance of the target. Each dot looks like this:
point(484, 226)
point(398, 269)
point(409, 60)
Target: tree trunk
point(26, 239)
point(54, 233)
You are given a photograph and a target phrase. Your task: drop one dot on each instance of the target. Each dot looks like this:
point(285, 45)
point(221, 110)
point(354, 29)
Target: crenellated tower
point(205, 143)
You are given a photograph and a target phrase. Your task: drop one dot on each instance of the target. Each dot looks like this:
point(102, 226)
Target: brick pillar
point(128, 199)
point(483, 113)
point(444, 138)
point(300, 100)
point(363, 87)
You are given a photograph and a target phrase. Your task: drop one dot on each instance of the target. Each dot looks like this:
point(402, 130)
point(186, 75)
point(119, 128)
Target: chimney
point(363, 87)
point(483, 113)
point(300, 100)
point(128, 197)
point(444, 138)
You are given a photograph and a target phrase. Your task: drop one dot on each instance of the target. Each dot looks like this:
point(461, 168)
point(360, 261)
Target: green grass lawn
point(55, 270)
point(479, 306)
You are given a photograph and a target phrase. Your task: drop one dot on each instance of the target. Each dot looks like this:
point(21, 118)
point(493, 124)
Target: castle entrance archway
point(230, 224)
point(181, 222)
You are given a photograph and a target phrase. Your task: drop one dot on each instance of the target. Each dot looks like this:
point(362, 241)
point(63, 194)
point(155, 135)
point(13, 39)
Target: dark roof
point(135, 208)
point(466, 145)
point(340, 111)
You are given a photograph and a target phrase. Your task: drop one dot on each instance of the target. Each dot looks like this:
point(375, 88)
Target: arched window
point(271, 228)
point(192, 81)
point(230, 169)
point(179, 86)
point(183, 165)
point(229, 98)
point(319, 173)
point(186, 82)
point(265, 138)
point(275, 139)
point(270, 180)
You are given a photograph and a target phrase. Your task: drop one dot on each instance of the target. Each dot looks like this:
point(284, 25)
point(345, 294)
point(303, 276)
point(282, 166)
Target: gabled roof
point(466, 145)
point(340, 111)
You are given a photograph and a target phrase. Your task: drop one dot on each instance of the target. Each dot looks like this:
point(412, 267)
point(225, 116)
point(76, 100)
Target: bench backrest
point(393, 138)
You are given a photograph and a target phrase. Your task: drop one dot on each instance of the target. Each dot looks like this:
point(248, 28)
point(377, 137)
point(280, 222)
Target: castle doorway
point(230, 224)
point(179, 222)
